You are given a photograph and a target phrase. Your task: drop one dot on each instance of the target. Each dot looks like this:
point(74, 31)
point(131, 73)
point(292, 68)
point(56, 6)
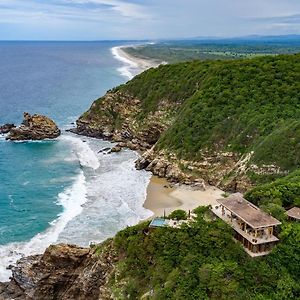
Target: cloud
point(282, 24)
point(291, 19)
point(141, 19)
point(89, 10)
point(124, 8)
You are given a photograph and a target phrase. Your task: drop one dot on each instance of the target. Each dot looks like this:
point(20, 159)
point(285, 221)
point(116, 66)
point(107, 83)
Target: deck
point(234, 224)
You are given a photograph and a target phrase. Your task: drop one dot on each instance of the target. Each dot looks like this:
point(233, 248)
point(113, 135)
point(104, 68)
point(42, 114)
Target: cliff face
point(62, 272)
point(226, 123)
point(116, 117)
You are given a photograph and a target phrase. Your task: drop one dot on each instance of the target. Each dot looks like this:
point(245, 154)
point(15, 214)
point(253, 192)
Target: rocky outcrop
point(115, 117)
point(119, 117)
point(11, 291)
point(62, 272)
point(163, 166)
point(222, 169)
point(6, 128)
point(34, 127)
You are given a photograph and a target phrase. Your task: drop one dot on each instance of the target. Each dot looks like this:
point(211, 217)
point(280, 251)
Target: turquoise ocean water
point(62, 190)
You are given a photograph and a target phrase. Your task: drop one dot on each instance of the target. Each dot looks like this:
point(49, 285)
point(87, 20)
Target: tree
point(178, 214)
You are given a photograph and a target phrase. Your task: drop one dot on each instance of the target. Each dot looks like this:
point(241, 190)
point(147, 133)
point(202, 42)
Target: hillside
point(197, 262)
point(232, 123)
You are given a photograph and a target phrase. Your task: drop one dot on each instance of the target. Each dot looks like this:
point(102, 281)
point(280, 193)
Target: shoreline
point(162, 198)
point(11, 252)
point(133, 65)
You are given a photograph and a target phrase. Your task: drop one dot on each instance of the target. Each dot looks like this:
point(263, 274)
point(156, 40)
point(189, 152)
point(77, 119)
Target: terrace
point(253, 228)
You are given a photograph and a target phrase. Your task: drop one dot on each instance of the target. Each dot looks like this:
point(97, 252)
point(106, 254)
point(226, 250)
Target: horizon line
point(157, 39)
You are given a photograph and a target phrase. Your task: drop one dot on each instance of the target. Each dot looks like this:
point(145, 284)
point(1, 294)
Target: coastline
point(11, 252)
point(159, 198)
point(162, 198)
point(132, 65)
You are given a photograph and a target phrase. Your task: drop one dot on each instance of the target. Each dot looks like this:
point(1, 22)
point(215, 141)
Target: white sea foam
point(113, 199)
point(72, 200)
point(85, 155)
point(116, 197)
point(3, 137)
point(130, 68)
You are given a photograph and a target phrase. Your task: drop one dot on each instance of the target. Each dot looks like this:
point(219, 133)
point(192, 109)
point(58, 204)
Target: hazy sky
point(145, 19)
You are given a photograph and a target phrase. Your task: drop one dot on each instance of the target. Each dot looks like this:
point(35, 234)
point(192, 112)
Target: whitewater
point(106, 193)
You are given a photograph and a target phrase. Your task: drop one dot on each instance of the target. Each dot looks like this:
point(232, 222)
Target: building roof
point(294, 213)
point(247, 211)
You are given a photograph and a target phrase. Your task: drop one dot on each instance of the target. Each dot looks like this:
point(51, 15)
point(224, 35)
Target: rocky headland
point(33, 127)
point(63, 272)
point(221, 123)
point(116, 117)
point(192, 126)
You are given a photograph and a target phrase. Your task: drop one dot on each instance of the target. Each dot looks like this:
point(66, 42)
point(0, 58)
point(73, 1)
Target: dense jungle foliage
point(242, 106)
point(278, 195)
point(203, 262)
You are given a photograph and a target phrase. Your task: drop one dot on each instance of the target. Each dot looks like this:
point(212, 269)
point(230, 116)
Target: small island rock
point(34, 127)
point(6, 128)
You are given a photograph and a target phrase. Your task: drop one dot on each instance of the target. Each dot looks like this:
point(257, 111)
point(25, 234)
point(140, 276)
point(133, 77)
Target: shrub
point(178, 214)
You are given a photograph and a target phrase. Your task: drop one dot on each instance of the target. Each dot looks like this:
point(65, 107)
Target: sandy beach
point(132, 65)
point(161, 198)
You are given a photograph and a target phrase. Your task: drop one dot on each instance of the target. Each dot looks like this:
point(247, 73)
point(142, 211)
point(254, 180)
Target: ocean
point(62, 190)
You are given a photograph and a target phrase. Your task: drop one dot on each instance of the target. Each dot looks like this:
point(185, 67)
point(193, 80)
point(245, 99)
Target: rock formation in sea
point(6, 128)
point(34, 127)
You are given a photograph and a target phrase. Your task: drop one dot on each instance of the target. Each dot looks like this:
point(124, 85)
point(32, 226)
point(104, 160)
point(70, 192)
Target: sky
point(145, 19)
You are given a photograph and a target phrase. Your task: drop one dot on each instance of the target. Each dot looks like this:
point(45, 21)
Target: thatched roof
point(294, 213)
point(247, 211)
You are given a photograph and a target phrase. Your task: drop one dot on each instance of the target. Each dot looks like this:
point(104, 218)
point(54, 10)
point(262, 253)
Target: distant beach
point(132, 65)
point(161, 198)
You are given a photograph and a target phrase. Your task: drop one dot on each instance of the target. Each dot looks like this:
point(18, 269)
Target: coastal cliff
point(62, 272)
point(207, 121)
point(231, 124)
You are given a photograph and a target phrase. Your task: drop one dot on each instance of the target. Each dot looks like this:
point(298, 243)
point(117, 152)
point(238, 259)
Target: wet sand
point(161, 198)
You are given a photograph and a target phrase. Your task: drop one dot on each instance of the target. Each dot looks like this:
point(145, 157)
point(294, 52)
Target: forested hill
point(230, 120)
point(234, 124)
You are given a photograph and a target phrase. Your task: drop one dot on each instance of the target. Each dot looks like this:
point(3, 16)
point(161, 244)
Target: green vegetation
point(243, 106)
point(178, 214)
point(248, 107)
point(240, 106)
point(272, 197)
point(203, 262)
point(174, 52)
